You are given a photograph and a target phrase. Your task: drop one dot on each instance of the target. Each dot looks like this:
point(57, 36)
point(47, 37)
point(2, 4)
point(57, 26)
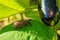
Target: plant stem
point(55, 33)
point(22, 18)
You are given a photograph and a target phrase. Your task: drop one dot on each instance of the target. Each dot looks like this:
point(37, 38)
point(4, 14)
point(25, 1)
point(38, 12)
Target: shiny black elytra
point(51, 4)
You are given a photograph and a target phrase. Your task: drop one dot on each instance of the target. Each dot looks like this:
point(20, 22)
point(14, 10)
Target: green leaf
point(10, 7)
point(12, 4)
point(58, 32)
point(5, 11)
point(33, 32)
point(23, 3)
point(17, 35)
point(37, 28)
point(33, 13)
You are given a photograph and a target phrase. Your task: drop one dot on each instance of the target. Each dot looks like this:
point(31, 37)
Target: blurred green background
point(37, 31)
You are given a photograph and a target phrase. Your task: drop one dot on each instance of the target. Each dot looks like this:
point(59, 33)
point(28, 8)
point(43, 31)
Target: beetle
point(21, 23)
point(49, 10)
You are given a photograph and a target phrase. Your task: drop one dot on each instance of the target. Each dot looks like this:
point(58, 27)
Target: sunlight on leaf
point(12, 4)
point(17, 35)
point(58, 32)
point(5, 11)
point(23, 3)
